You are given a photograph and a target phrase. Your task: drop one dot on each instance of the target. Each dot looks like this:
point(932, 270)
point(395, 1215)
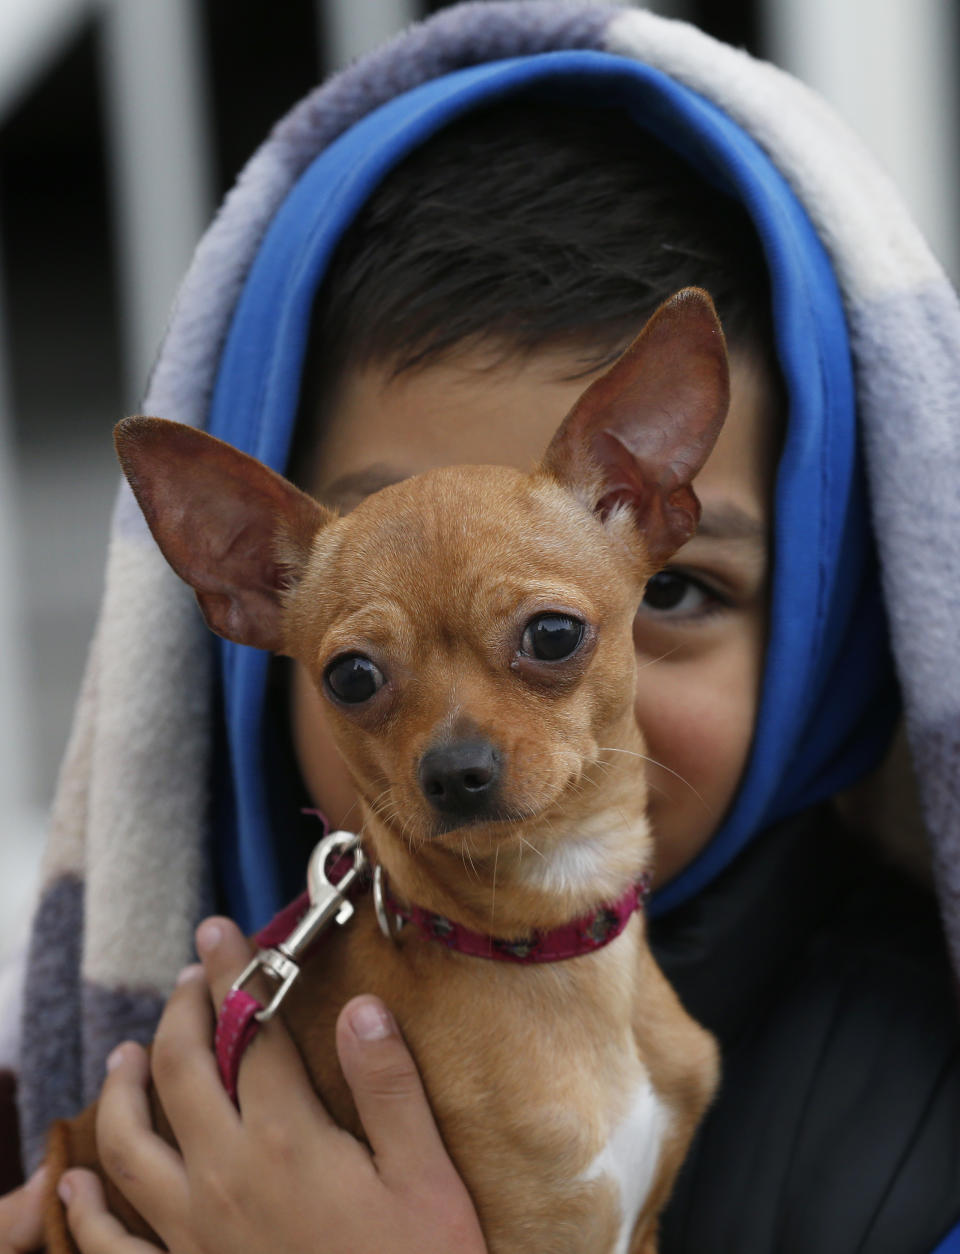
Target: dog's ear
point(640, 433)
point(233, 529)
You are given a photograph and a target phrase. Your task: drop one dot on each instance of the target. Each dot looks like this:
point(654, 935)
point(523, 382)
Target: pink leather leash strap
point(237, 1023)
point(236, 1027)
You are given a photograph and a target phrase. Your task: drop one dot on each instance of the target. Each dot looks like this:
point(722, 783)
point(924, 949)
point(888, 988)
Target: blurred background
point(122, 124)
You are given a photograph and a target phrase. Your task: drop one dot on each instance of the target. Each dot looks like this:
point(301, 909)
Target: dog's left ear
point(640, 433)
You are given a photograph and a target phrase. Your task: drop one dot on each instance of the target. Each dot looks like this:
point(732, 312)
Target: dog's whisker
point(538, 852)
point(405, 829)
point(661, 658)
point(493, 891)
point(385, 807)
point(626, 821)
point(354, 806)
point(465, 850)
point(653, 762)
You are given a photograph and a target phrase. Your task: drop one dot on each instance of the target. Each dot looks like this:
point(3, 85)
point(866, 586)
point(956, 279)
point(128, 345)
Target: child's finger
point(94, 1229)
point(21, 1217)
point(273, 1081)
point(224, 952)
point(138, 1161)
point(274, 1086)
point(389, 1095)
point(185, 1073)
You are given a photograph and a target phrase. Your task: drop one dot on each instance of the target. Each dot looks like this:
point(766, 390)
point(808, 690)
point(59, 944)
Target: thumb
point(389, 1095)
point(224, 952)
point(21, 1216)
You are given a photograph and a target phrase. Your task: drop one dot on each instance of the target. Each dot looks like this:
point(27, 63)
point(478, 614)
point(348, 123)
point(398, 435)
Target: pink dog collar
point(580, 936)
point(294, 932)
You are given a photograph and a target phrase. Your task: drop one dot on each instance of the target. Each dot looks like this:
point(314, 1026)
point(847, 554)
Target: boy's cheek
point(698, 724)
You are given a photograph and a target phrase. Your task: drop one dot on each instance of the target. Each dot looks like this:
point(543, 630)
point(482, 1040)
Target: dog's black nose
point(460, 779)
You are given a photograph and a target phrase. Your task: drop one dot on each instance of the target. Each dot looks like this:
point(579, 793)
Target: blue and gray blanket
point(866, 322)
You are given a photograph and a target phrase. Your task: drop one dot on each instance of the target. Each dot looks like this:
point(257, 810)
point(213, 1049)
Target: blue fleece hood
point(829, 697)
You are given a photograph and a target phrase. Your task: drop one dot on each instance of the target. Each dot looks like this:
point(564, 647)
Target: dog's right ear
point(233, 529)
point(640, 433)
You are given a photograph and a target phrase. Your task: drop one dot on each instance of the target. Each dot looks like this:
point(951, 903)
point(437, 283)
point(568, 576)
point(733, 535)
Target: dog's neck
point(538, 875)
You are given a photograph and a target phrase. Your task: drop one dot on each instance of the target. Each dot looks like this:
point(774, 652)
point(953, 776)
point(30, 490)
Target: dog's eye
point(552, 637)
point(353, 678)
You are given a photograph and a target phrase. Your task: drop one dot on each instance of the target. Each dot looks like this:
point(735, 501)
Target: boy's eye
point(353, 678)
point(672, 592)
point(552, 637)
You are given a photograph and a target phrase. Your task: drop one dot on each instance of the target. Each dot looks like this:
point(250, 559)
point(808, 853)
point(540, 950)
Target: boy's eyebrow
point(729, 522)
point(360, 483)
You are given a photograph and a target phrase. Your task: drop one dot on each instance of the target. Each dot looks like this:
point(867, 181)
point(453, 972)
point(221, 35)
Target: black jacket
point(823, 972)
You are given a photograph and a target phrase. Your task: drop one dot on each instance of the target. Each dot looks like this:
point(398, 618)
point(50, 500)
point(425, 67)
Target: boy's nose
point(460, 779)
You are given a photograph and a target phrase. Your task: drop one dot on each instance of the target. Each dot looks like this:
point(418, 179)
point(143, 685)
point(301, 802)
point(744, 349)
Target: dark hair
point(532, 224)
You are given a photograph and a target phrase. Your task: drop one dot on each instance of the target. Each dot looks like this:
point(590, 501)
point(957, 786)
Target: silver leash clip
point(328, 904)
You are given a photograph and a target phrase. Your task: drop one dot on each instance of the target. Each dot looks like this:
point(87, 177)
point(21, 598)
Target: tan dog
point(471, 632)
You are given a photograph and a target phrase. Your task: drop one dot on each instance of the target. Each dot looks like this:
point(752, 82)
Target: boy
point(494, 304)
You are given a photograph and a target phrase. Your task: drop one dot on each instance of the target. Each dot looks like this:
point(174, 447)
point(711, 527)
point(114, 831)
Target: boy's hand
point(278, 1175)
point(21, 1218)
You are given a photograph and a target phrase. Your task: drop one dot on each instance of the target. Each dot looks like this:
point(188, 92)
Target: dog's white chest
point(631, 1155)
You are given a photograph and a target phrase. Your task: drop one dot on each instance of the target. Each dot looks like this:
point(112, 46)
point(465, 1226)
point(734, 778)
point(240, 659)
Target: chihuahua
point(470, 631)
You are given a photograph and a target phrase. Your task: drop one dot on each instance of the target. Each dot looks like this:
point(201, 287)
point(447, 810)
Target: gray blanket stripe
point(50, 1081)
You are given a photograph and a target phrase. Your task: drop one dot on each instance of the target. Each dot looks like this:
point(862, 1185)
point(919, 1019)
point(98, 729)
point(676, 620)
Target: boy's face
point(701, 630)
